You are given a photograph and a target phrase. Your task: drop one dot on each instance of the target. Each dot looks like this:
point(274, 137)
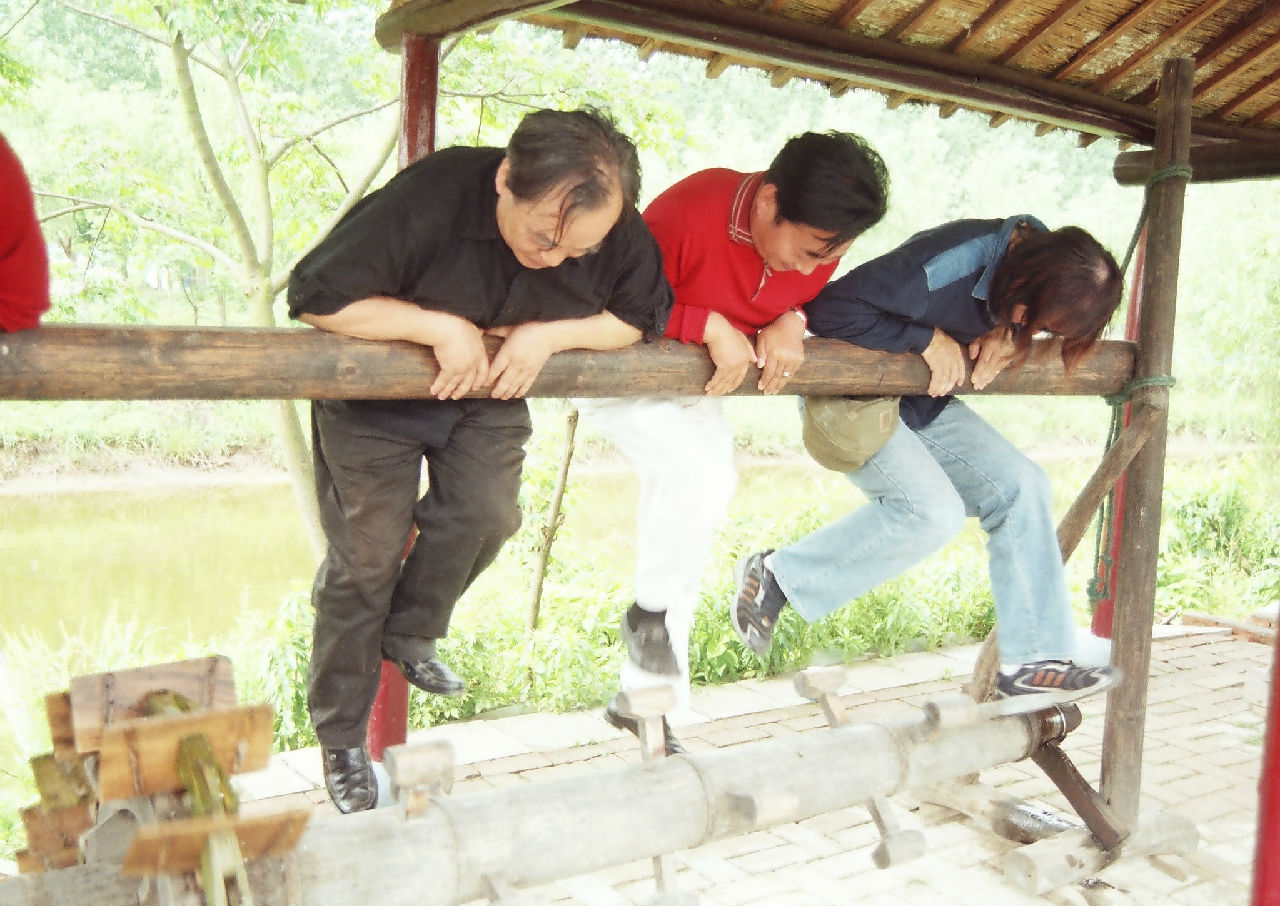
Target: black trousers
point(367, 483)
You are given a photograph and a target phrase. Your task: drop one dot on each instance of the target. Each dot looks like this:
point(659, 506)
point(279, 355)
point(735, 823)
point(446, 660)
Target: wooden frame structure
point(1198, 82)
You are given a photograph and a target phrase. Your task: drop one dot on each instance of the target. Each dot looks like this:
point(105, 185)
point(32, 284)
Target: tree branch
point(18, 21)
point(286, 146)
point(195, 123)
point(260, 186)
point(83, 204)
point(281, 280)
point(120, 23)
point(87, 206)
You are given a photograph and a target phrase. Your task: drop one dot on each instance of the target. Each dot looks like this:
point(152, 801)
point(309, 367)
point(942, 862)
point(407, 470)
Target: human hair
point(1069, 283)
point(581, 150)
point(834, 182)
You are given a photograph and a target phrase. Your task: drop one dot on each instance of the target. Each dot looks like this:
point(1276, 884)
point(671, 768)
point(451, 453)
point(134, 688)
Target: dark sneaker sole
point(749, 636)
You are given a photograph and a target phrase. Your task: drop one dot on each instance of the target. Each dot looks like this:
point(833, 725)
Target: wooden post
point(1104, 609)
point(1266, 862)
point(419, 98)
point(1125, 723)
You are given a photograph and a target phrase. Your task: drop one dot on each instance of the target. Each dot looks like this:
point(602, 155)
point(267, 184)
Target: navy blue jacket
point(938, 278)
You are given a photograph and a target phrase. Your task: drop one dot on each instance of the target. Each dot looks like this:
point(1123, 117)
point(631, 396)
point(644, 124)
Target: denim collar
point(982, 290)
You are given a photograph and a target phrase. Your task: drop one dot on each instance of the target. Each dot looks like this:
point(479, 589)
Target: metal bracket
point(1088, 804)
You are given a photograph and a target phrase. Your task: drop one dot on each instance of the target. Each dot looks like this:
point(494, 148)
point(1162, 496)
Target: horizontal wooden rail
point(58, 362)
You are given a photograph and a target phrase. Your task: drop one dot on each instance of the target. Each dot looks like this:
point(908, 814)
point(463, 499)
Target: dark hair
point(1064, 278)
point(582, 149)
point(834, 182)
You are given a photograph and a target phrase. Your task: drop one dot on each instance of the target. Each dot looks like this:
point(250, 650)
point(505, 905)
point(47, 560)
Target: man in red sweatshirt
point(744, 252)
point(24, 261)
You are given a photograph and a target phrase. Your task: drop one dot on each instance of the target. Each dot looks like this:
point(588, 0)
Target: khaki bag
point(841, 433)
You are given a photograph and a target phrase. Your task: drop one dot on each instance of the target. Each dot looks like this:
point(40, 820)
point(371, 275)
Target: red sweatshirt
point(702, 224)
point(24, 260)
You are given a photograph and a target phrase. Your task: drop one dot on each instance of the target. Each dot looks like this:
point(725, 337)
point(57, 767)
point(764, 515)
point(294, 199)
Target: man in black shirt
point(540, 245)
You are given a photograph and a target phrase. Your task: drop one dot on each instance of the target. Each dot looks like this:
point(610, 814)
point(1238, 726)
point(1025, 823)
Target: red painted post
point(419, 96)
point(1112, 534)
point(1266, 853)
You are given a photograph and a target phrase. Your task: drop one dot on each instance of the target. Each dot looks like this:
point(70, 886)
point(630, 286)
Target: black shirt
point(430, 236)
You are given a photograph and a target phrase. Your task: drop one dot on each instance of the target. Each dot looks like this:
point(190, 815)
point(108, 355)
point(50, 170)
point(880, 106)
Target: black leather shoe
point(669, 741)
point(416, 658)
point(430, 675)
point(647, 641)
point(348, 776)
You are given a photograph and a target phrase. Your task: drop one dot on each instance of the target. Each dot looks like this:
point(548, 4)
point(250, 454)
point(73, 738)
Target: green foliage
point(1221, 545)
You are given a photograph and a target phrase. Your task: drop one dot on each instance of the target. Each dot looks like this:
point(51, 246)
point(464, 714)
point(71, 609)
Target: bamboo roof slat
point(1085, 65)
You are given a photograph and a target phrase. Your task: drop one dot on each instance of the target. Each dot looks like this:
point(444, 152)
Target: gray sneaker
point(1063, 678)
point(754, 612)
point(648, 644)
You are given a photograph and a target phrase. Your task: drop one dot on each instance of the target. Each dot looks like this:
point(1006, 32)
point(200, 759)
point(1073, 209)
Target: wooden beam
point(1236, 66)
point(1113, 34)
point(913, 20)
point(1032, 39)
point(1241, 34)
point(110, 362)
point(437, 18)
point(717, 65)
point(1166, 38)
point(1125, 722)
point(647, 48)
point(843, 17)
point(528, 834)
point(1209, 163)
point(1081, 512)
point(975, 32)
point(823, 52)
point(1246, 97)
point(572, 36)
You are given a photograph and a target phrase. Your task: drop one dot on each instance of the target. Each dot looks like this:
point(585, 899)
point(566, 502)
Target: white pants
point(683, 453)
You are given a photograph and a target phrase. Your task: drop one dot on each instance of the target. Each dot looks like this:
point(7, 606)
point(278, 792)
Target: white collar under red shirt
point(740, 210)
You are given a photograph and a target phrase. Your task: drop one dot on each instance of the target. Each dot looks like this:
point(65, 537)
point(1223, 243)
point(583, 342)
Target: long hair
point(581, 150)
point(1070, 285)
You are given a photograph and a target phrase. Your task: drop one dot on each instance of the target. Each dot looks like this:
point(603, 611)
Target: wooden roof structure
point(1086, 65)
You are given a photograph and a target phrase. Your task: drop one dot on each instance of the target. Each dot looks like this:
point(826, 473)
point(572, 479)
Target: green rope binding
point(1169, 172)
point(1102, 562)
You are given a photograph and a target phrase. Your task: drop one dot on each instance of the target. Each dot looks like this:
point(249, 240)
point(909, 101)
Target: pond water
point(184, 562)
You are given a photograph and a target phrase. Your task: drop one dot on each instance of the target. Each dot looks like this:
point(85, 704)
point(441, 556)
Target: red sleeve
point(24, 259)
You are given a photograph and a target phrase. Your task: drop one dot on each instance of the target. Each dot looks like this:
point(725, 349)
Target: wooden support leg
point(647, 707)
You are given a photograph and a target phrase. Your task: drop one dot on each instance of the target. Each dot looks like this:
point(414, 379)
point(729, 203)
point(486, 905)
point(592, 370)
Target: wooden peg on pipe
point(822, 684)
point(418, 772)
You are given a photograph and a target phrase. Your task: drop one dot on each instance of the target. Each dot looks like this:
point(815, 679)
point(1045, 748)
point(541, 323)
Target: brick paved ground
point(1205, 728)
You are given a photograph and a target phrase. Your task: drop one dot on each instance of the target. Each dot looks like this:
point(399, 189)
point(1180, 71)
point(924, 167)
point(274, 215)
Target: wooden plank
point(174, 847)
point(101, 698)
point(1224, 162)
point(30, 862)
point(1254, 632)
point(57, 708)
point(50, 831)
point(140, 757)
point(61, 783)
point(117, 362)
point(437, 18)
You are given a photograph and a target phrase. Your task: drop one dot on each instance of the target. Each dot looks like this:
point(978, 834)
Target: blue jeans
point(920, 488)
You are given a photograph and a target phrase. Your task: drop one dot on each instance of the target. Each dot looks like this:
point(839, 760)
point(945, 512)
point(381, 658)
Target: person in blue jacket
point(967, 291)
